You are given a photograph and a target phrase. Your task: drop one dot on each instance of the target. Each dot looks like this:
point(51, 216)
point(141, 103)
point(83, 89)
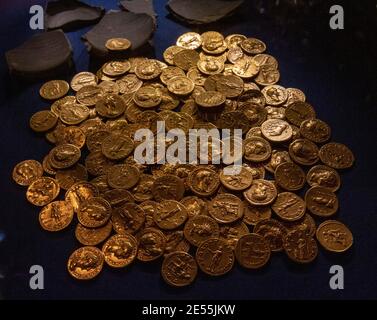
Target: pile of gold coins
point(187, 215)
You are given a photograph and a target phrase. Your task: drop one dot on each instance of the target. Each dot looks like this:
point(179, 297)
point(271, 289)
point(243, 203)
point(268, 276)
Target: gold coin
point(73, 114)
point(276, 130)
point(210, 66)
point(120, 250)
point(54, 89)
point(299, 111)
point(336, 155)
point(94, 212)
point(252, 251)
point(148, 69)
point(300, 247)
point(68, 177)
point(321, 201)
point(245, 68)
point(170, 52)
point(334, 236)
point(226, 208)
point(152, 244)
point(92, 236)
point(147, 97)
point(56, 216)
point(257, 149)
point(323, 176)
point(27, 171)
point(261, 192)
point(170, 214)
point(180, 85)
point(83, 79)
point(253, 46)
point(210, 99)
point(118, 44)
point(169, 73)
point(42, 191)
point(110, 106)
point(234, 40)
point(79, 193)
point(213, 42)
point(123, 176)
point(304, 152)
point(117, 146)
point(43, 121)
point(289, 206)
point(85, 263)
point(116, 68)
point(186, 59)
point(236, 181)
point(179, 269)
point(64, 156)
point(129, 84)
point(71, 135)
point(189, 40)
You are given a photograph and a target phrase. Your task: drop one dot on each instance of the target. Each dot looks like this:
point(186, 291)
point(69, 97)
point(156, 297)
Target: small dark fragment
point(200, 11)
point(139, 6)
point(70, 14)
point(138, 28)
point(41, 55)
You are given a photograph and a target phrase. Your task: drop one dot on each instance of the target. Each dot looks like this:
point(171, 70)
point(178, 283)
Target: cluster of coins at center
point(188, 215)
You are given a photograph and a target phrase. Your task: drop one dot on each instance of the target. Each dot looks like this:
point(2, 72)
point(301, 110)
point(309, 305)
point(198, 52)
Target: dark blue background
point(337, 71)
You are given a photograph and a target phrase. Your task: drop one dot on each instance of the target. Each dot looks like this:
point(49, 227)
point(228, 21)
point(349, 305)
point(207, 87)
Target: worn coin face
point(56, 216)
point(275, 94)
point(215, 257)
point(273, 232)
point(253, 46)
point(110, 106)
point(123, 176)
point(300, 247)
point(226, 208)
point(54, 89)
point(170, 52)
point(71, 135)
point(254, 214)
point(175, 241)
point(79, 193)
point(68, 177)
point(289, 176)
point(304, 152)
point(210, 65)
point(120, 250)
point(179, 269)
point(128, 218)
point(289, 206)
point(147, 97)
point(276, 130)
point(195, 206)
point(277, 157)
point(152, 243)
point(116, 68)
point(336, 155)
point(323, 176)
point(42, 191)
point(148, 69)
point(92, 236)
point(117, 146)
point(25, 172)
point(306, 224)
point(252, 251)
point(321, 201)
point(43, 121)
point(299, 111)
point(72, 114)
point(89, 95)
point(168, 187)
point(213, 42)
point(334, 236)
point(232, 232)
point(262, 192)
point(315, 130)
point(118, 44)
point(186, 59)
point(189, 40)
point(257, 149)
point(203, 181)
point(210, 99)
point(94, 212)
point(83, 79)
point(200, 228)
point(245, 68)
point(293, 95)
point(64, 156)
point(238, 181)
point(85, 263)
point(180, 85)
point(97, 164)
point(170, 214)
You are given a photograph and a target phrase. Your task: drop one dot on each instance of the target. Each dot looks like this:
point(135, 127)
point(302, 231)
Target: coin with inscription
point(85, 263)
point(315, 130)
point(226, 208)
point(215, 257)
point(54, 89)
point(321, 201)
point(123, 176)
point(273, 232)
point(323, 176)
point(300, 247)
point(152, 244)
point(304, 152)
point(25, 172)
point(289, 176)
point(120, 250)
point(94, 212)
point(200, 228)
point(276, 130)
point(262, 192)
point(179, 269)
point(257, 149)
point(128, 218)
point(275, 94)
point(334, 236)
point(170, 214)
point(289, 206)
point(93, 236)
point(56, 216)
point(42, 191)
point(336, 155)
point(203, 181)
point(64, 156)
point(43, 121)
point(252, 251)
